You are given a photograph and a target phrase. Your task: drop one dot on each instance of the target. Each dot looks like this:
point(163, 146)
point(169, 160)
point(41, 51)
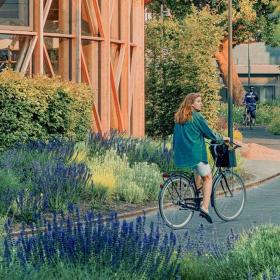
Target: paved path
point(261, 136)
point(261, 169)
point(262, 207)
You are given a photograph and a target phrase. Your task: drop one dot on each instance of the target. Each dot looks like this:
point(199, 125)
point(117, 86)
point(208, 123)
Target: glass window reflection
point(14, 12)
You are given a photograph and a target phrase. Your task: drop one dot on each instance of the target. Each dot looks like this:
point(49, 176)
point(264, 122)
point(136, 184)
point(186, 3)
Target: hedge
point(179, 60)
point(42, 108)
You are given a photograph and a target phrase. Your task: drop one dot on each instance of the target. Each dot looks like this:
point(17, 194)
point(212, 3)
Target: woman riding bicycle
point(189, 145)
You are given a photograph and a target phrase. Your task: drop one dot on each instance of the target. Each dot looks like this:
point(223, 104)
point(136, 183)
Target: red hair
point(184, 112)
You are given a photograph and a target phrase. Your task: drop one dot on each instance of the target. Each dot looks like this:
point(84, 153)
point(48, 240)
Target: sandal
point(205, 215)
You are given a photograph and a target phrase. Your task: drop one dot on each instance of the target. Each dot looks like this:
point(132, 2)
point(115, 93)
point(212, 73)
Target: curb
point(151, 209)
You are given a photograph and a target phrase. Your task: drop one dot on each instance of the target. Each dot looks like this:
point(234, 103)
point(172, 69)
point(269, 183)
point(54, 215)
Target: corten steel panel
point(101, 43)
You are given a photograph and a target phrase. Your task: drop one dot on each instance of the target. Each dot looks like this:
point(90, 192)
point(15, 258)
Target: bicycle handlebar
point(227, 143)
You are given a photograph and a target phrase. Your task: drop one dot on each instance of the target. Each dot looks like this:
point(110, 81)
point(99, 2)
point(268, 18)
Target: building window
point(59, 18)
point(15, 13)
point(58, 52)
point(12, 51)
point(267, 94)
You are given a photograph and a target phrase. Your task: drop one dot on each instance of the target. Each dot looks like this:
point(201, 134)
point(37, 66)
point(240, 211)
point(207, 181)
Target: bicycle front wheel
point(229, 195)
point(177, 191)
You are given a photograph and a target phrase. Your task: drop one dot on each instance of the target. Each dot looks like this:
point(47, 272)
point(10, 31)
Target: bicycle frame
point(196, 200)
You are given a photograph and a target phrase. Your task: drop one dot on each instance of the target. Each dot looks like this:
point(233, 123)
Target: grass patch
point(64, 271)
point(255, 254)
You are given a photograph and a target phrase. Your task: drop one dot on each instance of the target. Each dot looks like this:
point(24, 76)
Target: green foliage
point(163, 76)
point(255, 20)
point(130, 192)
point(9, 185)
point(64, 271)
point(16, 177)
point(274, 125)
point(265, 114)
point(177, 63)
point(140, 184)
point(237, 116)
point(136, 150)
point(114, 178)
point(38, 177)
point(256, 252)
point(42, 108)
point(181, 8)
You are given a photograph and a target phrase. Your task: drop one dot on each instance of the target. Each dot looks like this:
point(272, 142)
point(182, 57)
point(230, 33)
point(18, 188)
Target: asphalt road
point(262, 207)
point(261, 136)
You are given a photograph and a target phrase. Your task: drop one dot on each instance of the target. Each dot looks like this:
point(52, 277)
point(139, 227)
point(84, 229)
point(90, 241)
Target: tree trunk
point(222, 60)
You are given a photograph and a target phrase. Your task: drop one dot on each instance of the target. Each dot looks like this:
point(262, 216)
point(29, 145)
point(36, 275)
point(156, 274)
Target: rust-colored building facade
point(98, 42)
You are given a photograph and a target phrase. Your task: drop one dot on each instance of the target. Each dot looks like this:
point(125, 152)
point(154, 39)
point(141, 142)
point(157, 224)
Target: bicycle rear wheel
point(250, 121)
point(229, 195)
point(176, 192)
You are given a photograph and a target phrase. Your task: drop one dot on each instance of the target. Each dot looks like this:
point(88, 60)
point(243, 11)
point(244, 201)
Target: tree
point(253, 21)
point(178, 63)
point(163, 76)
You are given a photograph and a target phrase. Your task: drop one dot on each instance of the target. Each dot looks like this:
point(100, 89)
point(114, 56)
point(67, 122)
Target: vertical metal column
point(249, 66)
point(230, 103)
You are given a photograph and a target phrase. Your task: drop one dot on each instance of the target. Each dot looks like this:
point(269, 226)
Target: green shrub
point(129, 191)
point(264, 115)
point(256, 253)
point(38, 177)
point(274, 126)
point(238, 112)
point(179, 60)
point(136, 150)
point(42, 108)
point(68, 271)
point(267, 112)
point(9, 185)
point(114, 178)
point(148, 177)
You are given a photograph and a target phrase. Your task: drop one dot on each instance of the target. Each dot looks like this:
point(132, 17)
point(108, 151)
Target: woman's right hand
point(226, 139)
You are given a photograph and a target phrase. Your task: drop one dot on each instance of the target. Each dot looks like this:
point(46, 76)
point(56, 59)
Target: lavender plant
point(136, 150)
point(45, 180)
point(59, 183)
point(114, 244)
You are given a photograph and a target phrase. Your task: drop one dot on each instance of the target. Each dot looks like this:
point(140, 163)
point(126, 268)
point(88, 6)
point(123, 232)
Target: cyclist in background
point(250, 101)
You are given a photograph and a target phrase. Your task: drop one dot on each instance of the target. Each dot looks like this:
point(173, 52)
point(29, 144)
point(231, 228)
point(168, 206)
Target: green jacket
point(188, 141)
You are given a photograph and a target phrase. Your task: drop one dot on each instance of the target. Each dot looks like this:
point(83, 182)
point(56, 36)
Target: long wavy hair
point(184, 112)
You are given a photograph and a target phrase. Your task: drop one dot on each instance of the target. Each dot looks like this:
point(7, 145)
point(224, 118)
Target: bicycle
point(179, 192)
point(249, 118)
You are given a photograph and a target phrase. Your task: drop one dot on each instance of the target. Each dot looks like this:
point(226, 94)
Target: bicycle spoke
point(229, 196)
point(173, 199)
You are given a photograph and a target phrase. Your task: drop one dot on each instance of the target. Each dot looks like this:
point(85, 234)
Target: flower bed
point(87, 240)
point(74, 246)
point(102, 173)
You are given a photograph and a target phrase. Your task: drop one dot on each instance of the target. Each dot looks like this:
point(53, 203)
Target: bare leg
point(207, 189)
point(197, 179)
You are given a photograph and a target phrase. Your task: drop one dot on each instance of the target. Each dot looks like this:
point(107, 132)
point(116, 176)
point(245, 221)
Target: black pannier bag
point(223, 156)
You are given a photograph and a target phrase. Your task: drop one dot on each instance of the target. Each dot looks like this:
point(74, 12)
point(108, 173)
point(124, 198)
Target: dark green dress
point(188, 141)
